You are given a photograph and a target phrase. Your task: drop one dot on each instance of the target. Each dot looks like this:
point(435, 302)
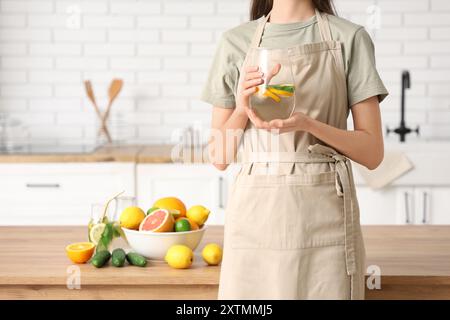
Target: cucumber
point(118, 257)
point(136, 259)
point(101, 258)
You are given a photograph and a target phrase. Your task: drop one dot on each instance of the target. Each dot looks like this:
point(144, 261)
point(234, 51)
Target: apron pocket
point(286, 212)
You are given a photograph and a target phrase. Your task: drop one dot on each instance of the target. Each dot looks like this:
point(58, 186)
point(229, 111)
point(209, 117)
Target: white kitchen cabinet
point(192, 183)
point(376, 214)
point(432, 205)
point(62, 193)
point(392, 205)
point(59, 193)
point(416, 197)
point(404, 205)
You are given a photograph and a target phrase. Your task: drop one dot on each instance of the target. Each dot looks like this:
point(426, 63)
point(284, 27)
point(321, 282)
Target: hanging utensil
point(91, 96)
point(113, 92)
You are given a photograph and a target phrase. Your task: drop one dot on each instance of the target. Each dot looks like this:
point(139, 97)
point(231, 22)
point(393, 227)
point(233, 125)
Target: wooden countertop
point(414, 263)
point(108, 153)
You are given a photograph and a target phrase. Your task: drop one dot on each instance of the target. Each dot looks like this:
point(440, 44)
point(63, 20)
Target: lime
point(151, 210)
point(96, 232)
point(182, 225)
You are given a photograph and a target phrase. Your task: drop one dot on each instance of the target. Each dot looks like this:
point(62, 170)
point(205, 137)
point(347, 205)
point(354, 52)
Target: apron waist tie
point(345, 176)
point(344, 186)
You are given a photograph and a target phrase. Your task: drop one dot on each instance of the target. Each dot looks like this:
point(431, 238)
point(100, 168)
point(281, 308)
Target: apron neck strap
point(324, 26)
point(259, 31)
point(322, 21)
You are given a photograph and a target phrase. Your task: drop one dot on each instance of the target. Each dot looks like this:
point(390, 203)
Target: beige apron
point(292, 223)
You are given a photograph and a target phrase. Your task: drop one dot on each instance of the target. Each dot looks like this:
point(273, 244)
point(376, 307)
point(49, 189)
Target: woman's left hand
point(296, 122)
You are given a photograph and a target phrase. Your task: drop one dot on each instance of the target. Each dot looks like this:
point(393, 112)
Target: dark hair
point(259, 8)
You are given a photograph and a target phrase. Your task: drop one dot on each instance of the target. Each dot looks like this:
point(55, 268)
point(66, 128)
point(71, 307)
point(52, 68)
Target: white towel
point(394, 165)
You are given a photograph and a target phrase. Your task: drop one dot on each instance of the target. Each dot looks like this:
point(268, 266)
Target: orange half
point(80, 252)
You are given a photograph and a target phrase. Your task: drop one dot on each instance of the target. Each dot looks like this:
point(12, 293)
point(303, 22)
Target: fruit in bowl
point(131, 218)
point(154, 245)
point(198, 214)
point(174, 205)
point(159, 220)
point(167, 223)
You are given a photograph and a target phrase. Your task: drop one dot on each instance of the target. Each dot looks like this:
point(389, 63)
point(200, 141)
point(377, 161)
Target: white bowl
point(154, 245)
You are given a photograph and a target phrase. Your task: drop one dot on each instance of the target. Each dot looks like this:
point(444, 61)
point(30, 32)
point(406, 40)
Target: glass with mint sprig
point(275, 98)
point(101, 228)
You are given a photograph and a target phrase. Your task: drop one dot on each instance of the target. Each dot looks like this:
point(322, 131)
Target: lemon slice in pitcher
point(96, 233)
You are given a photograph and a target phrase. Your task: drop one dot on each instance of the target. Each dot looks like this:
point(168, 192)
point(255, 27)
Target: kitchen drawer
point(59, 193)
point(64, 182)
point(51, 214)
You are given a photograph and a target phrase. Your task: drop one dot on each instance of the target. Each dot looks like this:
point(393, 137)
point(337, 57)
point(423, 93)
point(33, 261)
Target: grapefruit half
point(159, 220)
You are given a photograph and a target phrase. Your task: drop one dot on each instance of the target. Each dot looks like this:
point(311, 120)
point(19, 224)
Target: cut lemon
point(80, 252)
point(272, 95)
point(175, 213)
point(280, 92)
point(96, 233)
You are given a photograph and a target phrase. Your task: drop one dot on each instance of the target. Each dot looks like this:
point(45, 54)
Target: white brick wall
point(163, 48)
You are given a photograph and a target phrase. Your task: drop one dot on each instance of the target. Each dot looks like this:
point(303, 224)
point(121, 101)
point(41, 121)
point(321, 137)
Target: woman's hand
point(252, 79)
point(296, 122)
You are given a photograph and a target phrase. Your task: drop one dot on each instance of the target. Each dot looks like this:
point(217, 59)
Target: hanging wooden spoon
point(91, 96)
point(113, 92)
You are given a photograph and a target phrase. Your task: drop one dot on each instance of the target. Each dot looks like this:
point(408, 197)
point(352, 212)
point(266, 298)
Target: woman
point(292, 223)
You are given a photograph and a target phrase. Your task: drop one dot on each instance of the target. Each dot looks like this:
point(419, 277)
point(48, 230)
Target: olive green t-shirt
point(363, 80)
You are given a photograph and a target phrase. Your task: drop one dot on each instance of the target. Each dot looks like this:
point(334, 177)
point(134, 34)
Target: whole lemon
point(212, 254)
point(179, 256)
point(131, 218)
point(198, 214)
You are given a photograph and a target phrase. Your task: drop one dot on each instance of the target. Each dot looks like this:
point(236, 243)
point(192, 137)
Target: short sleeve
point(222, 78)
point(363, 80)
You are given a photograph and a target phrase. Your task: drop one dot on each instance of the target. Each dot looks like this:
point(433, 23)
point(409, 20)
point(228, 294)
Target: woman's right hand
point(252, 79)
